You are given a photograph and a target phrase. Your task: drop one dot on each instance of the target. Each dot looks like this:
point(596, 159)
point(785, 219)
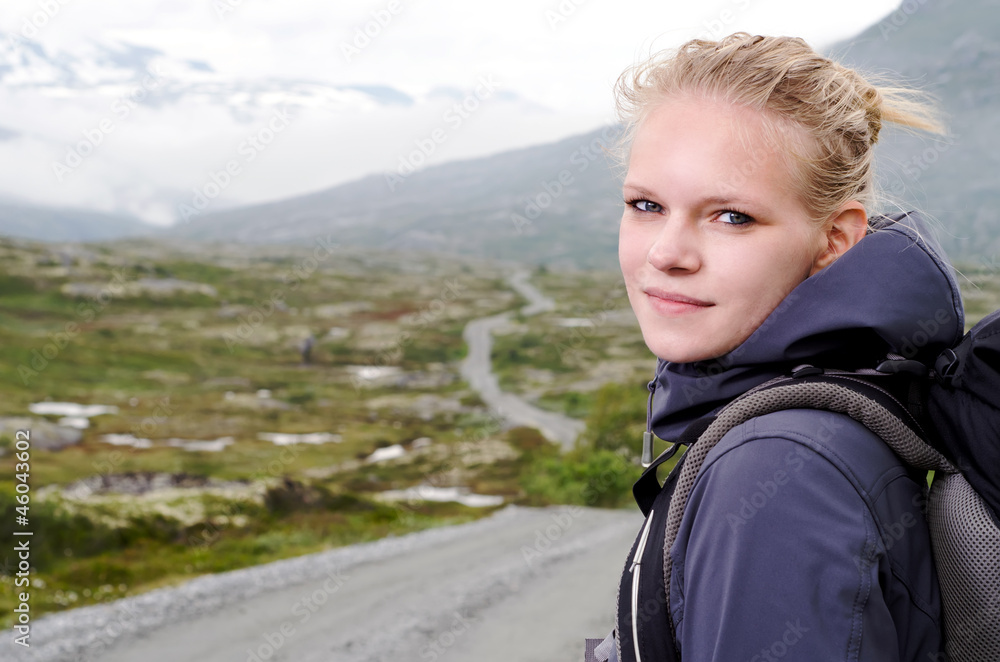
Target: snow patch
point(432, 493)
point(71, 409)
point(388, 453)
point(287, 438)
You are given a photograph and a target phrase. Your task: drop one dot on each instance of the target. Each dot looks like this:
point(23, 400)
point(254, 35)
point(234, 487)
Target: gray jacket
point(804, 537)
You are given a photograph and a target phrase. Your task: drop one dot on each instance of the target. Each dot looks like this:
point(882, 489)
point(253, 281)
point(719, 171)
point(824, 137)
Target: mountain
point(951, 49)
point(66, 224)
point(555, 203)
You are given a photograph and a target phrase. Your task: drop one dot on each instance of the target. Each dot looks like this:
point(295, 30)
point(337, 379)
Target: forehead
point(692, 143)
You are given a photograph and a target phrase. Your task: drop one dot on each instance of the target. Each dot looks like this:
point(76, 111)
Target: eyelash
point(632, 203)
point(733, 210)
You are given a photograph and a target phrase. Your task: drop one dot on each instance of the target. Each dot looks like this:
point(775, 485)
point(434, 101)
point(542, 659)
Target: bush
point(530, 441)
point(617, 419)
point(59, 533)
point(291, 496)
point(586, 477)
point(600, 471)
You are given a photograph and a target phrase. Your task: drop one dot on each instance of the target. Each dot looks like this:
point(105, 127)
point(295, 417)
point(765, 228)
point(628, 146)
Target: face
point(713, 236)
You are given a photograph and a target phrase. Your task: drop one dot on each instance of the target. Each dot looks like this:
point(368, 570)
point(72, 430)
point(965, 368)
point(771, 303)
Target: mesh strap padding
point(966, 545)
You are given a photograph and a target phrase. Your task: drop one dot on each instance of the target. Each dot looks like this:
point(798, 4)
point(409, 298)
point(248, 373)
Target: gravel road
point(524, 584)
point(476, 369)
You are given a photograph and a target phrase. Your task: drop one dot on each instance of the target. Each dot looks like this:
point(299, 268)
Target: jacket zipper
point(646, 458)
point(636, 567)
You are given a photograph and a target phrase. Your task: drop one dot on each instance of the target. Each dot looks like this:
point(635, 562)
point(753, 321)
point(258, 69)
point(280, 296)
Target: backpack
point(943, 418)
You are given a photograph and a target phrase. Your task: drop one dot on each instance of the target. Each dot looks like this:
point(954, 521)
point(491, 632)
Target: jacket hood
point(892, 292)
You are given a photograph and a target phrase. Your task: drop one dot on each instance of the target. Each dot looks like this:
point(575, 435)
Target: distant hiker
point(305, 349)
point(747, 250)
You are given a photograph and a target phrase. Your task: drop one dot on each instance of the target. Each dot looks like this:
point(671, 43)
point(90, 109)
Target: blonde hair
point(791, 85)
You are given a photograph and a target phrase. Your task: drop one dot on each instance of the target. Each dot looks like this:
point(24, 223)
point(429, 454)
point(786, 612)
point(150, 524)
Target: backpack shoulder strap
point(870, 405)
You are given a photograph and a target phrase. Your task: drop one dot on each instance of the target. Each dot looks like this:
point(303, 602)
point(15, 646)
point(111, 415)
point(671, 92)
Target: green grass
point(571, 403)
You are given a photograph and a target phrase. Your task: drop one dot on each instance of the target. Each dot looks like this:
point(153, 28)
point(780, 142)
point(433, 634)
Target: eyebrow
point(638, 190)
point(710, 201)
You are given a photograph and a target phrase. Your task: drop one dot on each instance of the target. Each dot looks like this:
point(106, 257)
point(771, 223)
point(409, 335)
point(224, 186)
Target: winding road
point(476, 369)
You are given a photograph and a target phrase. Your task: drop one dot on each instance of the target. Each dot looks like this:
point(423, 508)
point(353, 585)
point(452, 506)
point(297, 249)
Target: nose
point(676, 247)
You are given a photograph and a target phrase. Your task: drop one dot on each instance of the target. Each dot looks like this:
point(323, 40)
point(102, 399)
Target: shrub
point(617, 419)
point(586, 477)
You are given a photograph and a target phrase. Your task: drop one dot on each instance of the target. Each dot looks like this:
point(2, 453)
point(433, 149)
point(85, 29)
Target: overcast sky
point(554, 61)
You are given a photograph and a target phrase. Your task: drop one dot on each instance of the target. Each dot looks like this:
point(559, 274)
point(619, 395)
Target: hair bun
point(873, 113)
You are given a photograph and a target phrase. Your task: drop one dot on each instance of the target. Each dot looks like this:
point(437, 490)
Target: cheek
point(631, 250)
point(626, 251)
point(765, 278)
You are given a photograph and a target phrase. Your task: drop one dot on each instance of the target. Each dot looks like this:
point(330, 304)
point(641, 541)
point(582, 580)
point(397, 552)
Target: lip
point(674, 303)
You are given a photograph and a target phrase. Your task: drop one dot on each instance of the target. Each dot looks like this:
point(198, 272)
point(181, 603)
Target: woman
point(746, 249)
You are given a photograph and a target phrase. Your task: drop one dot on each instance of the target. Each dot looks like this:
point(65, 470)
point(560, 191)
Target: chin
point(674, 353)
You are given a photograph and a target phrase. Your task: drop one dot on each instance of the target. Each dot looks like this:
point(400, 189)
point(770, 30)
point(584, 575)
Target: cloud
point(223, 72)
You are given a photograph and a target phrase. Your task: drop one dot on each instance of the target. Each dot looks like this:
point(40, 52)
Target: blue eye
point(646, 206)
point(735, 217)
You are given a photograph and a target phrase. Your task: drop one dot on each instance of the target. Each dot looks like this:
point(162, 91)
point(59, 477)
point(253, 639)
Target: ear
point(846, 227)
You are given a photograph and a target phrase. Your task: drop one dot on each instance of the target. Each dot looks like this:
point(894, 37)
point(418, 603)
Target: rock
point(155, 287)
point(141, 482)
point(43, 435)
